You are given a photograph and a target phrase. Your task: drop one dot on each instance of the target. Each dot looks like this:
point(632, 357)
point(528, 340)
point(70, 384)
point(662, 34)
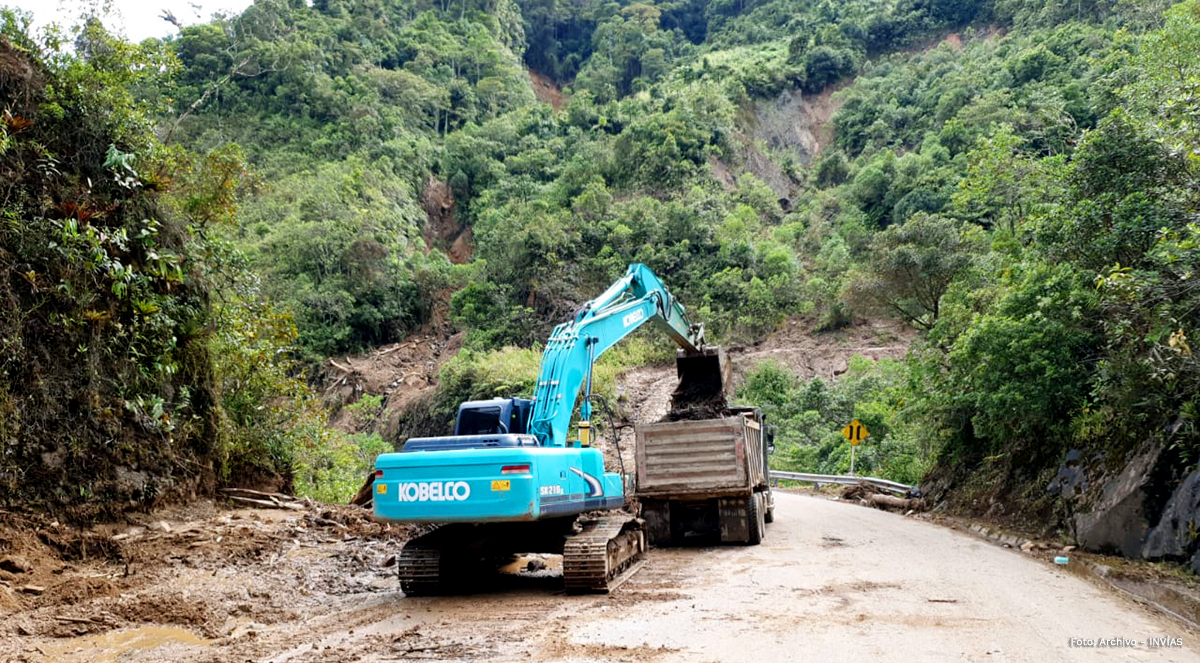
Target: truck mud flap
point(734, 520)
point(658, 522)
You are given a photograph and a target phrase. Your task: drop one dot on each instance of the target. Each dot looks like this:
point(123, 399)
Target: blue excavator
point(511, 480)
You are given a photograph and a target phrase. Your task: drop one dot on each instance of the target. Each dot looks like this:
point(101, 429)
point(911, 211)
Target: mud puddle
point(146, 642)
point(197, 583)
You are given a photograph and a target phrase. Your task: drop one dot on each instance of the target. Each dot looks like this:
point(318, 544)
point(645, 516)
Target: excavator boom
point(635, 299)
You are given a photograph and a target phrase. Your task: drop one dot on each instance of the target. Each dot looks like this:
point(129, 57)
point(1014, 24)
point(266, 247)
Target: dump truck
point(705, 479)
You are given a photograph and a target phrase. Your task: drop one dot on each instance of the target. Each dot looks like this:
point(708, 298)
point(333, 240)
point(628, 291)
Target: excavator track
point(420, 570)
point(598, 553)
point(603, 554)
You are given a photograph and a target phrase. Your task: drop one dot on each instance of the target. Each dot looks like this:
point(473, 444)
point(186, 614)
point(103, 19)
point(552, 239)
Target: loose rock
point(14, 564)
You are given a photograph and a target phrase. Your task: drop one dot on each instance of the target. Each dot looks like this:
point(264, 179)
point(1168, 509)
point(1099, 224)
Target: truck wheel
point(754, 520)
point(769, 514)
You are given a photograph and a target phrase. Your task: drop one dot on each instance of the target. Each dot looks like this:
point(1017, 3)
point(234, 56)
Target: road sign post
point(855, 433)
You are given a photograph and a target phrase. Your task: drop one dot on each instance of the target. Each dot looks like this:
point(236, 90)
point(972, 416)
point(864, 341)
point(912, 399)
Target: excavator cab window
point(480, 421)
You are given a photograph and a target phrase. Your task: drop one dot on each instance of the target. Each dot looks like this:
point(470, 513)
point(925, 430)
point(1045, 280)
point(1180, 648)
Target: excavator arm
point(637, 298)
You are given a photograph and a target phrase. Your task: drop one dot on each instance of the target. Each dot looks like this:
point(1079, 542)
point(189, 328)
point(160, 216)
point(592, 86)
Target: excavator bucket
point(704, 378)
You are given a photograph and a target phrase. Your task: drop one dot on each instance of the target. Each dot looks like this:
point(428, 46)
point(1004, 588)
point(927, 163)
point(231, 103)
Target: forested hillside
point(1016, 180)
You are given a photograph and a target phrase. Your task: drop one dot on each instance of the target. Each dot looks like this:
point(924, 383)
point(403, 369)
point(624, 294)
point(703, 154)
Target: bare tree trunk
point(212, 89)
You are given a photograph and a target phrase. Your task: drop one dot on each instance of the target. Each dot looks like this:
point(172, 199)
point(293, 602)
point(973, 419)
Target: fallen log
point(365, 495)
point(279, 497)
point(266, 503)
point(77, 620)
point(892, 502)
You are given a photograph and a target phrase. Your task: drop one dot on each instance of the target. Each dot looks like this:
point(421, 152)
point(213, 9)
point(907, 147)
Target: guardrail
point(882, 484)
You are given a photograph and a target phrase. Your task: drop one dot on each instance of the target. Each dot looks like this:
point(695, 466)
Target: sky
point(135, 19)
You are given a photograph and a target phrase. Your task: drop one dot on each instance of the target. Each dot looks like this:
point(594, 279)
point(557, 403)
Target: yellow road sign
point(855, 432)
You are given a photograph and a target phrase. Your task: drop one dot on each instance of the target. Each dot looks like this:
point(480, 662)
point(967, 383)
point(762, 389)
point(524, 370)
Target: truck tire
point(754, 520)
point(769, 516)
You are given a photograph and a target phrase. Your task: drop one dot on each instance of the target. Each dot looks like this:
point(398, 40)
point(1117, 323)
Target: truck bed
point(708, 457)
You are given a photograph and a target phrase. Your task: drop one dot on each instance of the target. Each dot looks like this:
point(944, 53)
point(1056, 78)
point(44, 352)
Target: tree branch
point(204, 97)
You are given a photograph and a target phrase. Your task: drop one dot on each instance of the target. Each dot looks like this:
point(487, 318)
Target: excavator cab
point(495, 416)
point(499, 422)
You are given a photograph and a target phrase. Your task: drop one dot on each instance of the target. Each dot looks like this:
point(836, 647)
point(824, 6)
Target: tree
point(872, 188)
point(1033, 63)
point(1124, 188)
point(1022, 368)
point(1165, 84)
point(1004, 185)
point(832, 169)
point(825, 65)
point(911, 266)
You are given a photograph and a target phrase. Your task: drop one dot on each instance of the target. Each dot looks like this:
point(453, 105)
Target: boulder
point(130, 482)
point(1173, 536)
point(1114, 518)
point(1070, 480)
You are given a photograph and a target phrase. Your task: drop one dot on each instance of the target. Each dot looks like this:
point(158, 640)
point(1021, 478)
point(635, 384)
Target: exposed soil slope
point(546, 90)
point(444, 231)
point(401, 373)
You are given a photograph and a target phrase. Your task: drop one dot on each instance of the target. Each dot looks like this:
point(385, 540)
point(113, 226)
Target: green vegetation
point(350, 122)
point(810, 414)
point(139, 360)
point(1038, 206)
point(189, 227)
point(104, 353)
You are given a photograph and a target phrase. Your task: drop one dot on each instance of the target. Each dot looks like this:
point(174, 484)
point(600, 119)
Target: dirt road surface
point(832, 582)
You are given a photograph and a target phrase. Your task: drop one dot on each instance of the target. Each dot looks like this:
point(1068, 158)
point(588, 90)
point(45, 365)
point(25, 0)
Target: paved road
point(838, 582)
point(832, 582)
